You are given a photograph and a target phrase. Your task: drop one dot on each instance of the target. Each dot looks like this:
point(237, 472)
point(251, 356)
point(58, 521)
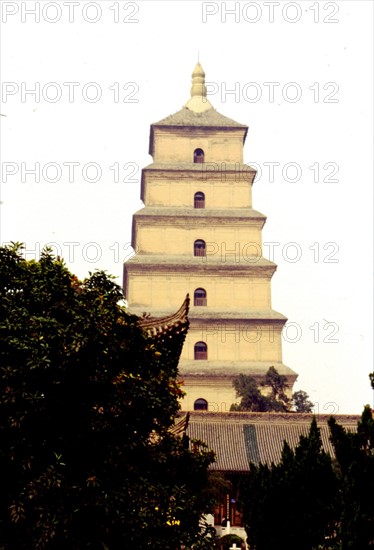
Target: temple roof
point(211, 119)
point(160, 326)
point(241, 438)
point(180, 425)
point(197, 112)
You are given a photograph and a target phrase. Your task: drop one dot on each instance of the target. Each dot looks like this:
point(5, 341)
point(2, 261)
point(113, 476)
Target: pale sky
point(300, 76)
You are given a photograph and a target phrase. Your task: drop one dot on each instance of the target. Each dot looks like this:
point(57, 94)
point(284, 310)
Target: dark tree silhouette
point(87, 405)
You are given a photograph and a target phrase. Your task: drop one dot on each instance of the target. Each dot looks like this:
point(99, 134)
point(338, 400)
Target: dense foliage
point(307, 501)
point(355, 457)
point(86, 403)
point(292, 504)
point(275, 398)
point(301, 402)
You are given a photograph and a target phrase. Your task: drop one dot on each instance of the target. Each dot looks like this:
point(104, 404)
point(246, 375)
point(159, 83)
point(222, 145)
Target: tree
point(301, 402)
point(355, 457)
point(87, 402)
point(371, 376)
point(306, 502)
point(276, 400)
point(278, 386)
point(253, 400)
point(291, 504)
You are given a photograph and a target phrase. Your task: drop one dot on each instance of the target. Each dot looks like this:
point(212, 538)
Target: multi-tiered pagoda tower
point(198, 234)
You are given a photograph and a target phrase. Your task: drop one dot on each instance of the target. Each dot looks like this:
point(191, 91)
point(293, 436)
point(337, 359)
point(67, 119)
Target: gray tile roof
point(241, 438)
point(226, 440)
point(185, 118)
point(211, 118)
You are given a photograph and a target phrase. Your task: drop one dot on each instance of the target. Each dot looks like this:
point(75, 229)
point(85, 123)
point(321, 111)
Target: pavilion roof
point(239, 439)
point(160, 326)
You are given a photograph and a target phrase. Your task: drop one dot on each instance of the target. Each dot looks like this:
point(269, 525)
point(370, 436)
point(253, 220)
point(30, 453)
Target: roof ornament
point(198, 103)
point(161, 326)
point(198, 81)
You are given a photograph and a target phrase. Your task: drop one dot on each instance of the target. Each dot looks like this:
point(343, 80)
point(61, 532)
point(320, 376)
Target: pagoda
point(198, 234)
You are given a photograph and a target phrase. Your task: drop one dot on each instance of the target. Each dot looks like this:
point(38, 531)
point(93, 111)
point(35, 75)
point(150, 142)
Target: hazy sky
point(299, 74)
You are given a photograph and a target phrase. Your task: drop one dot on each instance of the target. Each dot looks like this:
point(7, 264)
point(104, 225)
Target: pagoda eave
point(247, 215)
point(228, 370)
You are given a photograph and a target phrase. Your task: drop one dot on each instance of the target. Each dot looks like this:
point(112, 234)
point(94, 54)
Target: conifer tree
point(355, 457)
point(292, 504)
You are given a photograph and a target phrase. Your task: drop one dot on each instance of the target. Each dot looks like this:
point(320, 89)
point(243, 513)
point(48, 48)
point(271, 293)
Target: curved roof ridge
point(156, 326)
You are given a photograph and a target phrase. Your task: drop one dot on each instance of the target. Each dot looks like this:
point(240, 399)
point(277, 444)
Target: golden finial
point(198, 81)
point(198, 102)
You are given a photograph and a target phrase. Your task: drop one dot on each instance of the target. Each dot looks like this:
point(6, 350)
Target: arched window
point(198, 156)
point(200, 405)
point(199, 297)
point(199, 200)
point(199, 248)
point(200, 351)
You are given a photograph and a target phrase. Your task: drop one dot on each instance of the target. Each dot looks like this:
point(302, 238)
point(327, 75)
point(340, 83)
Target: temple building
point(198, 234)
point(238, 439)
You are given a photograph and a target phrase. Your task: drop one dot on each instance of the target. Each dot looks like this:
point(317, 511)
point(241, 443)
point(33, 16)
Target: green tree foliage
point(86, 403)
point(252, 399)
point(308, 503)
point(278, 386)
point(355, 456)
point(218, 486)
point(292, 504)
point(276, 400)
point(301, 402)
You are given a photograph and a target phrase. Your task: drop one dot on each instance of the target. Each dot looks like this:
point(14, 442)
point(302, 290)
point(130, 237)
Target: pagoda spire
point(198, 103)
point(198, 87)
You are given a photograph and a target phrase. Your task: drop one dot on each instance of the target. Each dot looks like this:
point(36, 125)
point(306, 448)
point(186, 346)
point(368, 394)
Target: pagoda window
point(199, 297)
point(199, 200)
point(198, 156)
point(200, 405)
point(199, 248)
point(200, 351)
